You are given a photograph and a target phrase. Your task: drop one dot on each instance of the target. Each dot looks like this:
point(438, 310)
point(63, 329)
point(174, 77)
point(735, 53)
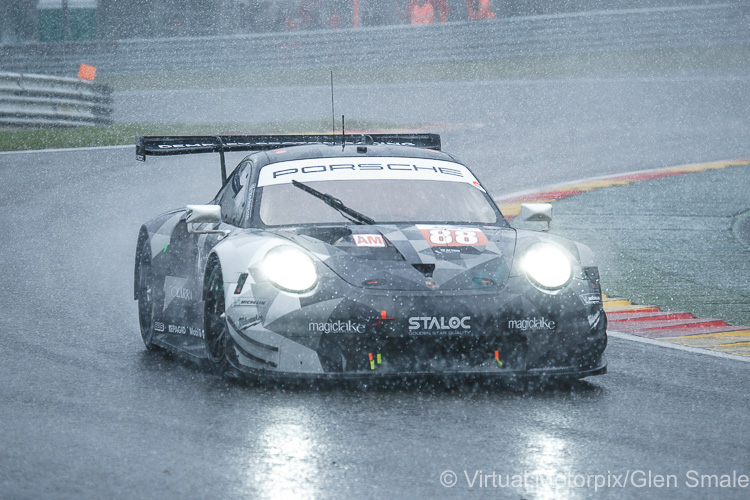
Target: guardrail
point(44, 101)
point(585, 32)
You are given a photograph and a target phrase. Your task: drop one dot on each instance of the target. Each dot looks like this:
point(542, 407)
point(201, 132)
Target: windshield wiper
point(348, 213)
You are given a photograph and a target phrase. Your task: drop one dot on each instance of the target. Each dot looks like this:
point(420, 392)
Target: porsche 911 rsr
point(361, 256)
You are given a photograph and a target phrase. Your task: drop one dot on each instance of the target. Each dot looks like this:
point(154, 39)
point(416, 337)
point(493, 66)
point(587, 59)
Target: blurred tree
point(18, 21)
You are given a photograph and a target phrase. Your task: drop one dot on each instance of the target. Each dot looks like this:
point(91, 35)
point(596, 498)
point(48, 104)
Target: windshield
point(384, 189)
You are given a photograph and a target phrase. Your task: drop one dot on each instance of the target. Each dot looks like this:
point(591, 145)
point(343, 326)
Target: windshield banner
point(359, 168)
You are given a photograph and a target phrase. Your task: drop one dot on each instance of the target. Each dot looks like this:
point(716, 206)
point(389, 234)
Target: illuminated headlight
point(290, 269)
point(547, 266)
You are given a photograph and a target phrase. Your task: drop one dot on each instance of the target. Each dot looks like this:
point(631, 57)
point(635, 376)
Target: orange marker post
point(87, 72)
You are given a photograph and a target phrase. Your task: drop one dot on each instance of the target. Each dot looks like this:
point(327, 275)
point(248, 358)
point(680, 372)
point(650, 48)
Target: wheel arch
point(587, 256)
point(231, 262)
point(238, 255)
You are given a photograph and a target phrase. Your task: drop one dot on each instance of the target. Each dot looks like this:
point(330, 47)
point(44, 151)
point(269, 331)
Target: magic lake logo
point(531, 324)
point(337, 327)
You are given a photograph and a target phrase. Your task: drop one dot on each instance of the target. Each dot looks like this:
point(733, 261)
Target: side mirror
point(203, 214)
point(536, 212)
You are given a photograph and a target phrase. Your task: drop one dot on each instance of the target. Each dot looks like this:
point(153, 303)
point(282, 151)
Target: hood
point(413, 256)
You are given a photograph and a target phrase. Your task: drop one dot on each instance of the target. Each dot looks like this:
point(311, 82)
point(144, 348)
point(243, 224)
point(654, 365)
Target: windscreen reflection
point(384, 200)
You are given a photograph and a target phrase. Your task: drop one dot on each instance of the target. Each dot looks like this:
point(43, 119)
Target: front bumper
point(440, 370)
point(516, 332)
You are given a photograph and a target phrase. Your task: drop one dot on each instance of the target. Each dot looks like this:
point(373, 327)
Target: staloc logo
point(337, 327)
point(439, 323)
point(532, 324)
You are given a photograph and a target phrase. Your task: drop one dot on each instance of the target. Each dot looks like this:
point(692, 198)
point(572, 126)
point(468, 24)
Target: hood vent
point(426, 269)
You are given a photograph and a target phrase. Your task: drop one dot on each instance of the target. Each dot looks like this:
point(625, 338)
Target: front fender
point(142, 236)
point(243, 253)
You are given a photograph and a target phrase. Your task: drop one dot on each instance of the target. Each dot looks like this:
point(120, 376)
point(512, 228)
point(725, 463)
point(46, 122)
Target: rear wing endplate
point(180, 145)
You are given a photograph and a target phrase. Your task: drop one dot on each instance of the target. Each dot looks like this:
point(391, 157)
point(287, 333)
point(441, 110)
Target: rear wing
point(190, 144)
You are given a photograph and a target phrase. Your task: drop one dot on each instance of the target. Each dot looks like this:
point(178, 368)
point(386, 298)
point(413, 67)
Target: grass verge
point(632, 63)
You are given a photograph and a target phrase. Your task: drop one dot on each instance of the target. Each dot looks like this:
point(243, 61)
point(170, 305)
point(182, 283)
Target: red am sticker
point(369, 240)
point(453, 237)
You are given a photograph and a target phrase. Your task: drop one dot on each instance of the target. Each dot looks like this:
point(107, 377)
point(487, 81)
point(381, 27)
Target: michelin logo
point(531, 324)
point(242, 301)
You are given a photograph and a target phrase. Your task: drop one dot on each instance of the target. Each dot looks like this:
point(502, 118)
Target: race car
point(361, 256)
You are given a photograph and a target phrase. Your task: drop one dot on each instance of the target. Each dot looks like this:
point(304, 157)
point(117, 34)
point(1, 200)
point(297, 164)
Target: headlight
point(290, 269)
point(547, 266)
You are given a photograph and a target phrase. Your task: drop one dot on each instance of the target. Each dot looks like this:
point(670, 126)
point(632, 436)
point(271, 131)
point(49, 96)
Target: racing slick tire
point(146, 307)
point(216, 336)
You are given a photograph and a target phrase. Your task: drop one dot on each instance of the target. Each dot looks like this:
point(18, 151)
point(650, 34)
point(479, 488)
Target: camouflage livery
point(391, 299)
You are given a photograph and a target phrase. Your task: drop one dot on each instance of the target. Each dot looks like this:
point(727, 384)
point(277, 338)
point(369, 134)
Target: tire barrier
point(48, 101)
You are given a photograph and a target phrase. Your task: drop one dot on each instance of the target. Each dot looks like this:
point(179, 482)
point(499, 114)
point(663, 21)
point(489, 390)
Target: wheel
point(215, 330)
point(146, 307)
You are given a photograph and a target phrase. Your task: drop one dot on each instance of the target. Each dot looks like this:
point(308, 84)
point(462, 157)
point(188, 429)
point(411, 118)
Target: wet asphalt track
point(86, 412)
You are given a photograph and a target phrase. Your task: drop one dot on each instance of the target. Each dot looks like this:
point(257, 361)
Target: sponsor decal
point(590, 298)
point(177, 329)
point(203, 145)
point(531, 324)
point(436, 325)
point(438, 236)
point(174, 288)
point(337, 327)
point(158, 327)
point(447, 253)
point(184, 330)
point(181, 293)
point(351, 168)
point(243, 301)
point(369, 240)
point(244, 322)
